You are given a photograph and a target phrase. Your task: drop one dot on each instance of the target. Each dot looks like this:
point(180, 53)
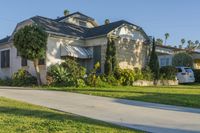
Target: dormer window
point(82, 23)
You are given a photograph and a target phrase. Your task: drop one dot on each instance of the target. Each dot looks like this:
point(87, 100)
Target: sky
point(179, 18)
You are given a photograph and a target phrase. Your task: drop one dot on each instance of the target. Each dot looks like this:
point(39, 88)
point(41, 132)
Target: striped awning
point(77, 52)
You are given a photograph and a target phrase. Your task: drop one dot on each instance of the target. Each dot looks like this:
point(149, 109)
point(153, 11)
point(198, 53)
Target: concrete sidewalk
point(138, 115)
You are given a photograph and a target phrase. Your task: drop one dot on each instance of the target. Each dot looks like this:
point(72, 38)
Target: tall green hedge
point(111, 59)
point(153, 63)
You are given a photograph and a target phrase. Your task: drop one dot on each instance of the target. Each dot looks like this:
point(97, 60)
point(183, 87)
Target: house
point(166, 54)
point(78, 36)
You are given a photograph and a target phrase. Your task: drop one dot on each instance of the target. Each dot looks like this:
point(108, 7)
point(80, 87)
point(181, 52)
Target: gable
point(78, 19)
point(130, 32)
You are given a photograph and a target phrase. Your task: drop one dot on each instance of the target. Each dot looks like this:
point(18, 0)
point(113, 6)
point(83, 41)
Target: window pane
point(2, 59)
point(5, 58)
point(24, 62)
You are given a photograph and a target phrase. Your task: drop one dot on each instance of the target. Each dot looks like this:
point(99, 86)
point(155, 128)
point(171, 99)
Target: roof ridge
point(63, 17)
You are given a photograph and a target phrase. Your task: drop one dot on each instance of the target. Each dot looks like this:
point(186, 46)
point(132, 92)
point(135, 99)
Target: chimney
point(66, 12)
point(107, 21)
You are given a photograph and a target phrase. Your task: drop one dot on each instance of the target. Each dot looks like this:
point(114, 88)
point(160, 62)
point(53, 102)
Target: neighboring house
point(166, 54)
point(78, 36)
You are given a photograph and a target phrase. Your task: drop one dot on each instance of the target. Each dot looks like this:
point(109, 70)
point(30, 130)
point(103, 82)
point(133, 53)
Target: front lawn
point(22, 117)
point(182, 95)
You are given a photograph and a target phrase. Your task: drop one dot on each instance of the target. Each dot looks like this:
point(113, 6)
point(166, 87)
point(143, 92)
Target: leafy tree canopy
point(30, 42)
point(182, 59)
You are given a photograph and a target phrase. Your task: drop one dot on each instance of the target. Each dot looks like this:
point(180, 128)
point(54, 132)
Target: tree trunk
point(37, 70)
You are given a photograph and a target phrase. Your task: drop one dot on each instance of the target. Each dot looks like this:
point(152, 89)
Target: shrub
point(74, 69)
point(59, 75)
point(23, 78)
point(92, 79)
point(168, 72)
point(197, 75)
point(68, 73)
point(182, 59)
point(125, 76)
point(6, 82)
point(80, 83)
point(147, 74)
point(138, 74)
point(110, 79)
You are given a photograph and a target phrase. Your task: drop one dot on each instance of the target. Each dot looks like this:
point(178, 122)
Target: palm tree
point(66, 12)
point(182, 41)
point(197, 44)
point(190, 43)
point(166, 37)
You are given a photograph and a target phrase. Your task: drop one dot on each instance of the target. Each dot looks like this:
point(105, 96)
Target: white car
point(185, 75)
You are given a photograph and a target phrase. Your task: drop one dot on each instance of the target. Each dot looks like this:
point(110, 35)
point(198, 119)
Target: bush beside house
point(197, 75)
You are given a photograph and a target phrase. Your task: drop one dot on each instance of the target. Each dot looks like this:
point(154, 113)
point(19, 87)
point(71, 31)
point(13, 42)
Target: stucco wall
point(131, 55)
point(15, 64)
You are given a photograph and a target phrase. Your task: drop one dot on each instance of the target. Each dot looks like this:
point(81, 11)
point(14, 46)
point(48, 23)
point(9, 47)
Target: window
point(24, 62)
point(167, 61)
point(82, 23)
point(5, 59)
point(164, 62)
point(41, 62)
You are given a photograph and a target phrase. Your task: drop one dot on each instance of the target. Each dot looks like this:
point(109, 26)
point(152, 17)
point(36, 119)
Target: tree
point(153, 63)
point(31, 42)
point(182, 41)
point(166, 37)
point(111, 59)
point(159, 41)
point(108, 61)
point(66, 12)
point(197, 43)
point(182, 59)
point(190, 44)
point(114, 56)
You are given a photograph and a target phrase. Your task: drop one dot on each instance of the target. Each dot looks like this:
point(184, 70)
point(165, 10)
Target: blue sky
point(180, 18)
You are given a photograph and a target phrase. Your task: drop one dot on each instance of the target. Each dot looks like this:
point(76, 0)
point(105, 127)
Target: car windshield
point(188, 70)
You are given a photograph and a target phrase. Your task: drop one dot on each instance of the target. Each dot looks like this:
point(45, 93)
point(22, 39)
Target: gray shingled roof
point(105, 29)
point(77, 31)
point(4, 40)
point(59, 27)
point(86, 17)
point(68, 29)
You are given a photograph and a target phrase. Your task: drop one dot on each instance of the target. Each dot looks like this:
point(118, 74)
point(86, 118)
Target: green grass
point(182, 95)
point(22, 117)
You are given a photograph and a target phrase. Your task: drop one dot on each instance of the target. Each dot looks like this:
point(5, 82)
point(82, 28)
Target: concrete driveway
point(139, 115)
